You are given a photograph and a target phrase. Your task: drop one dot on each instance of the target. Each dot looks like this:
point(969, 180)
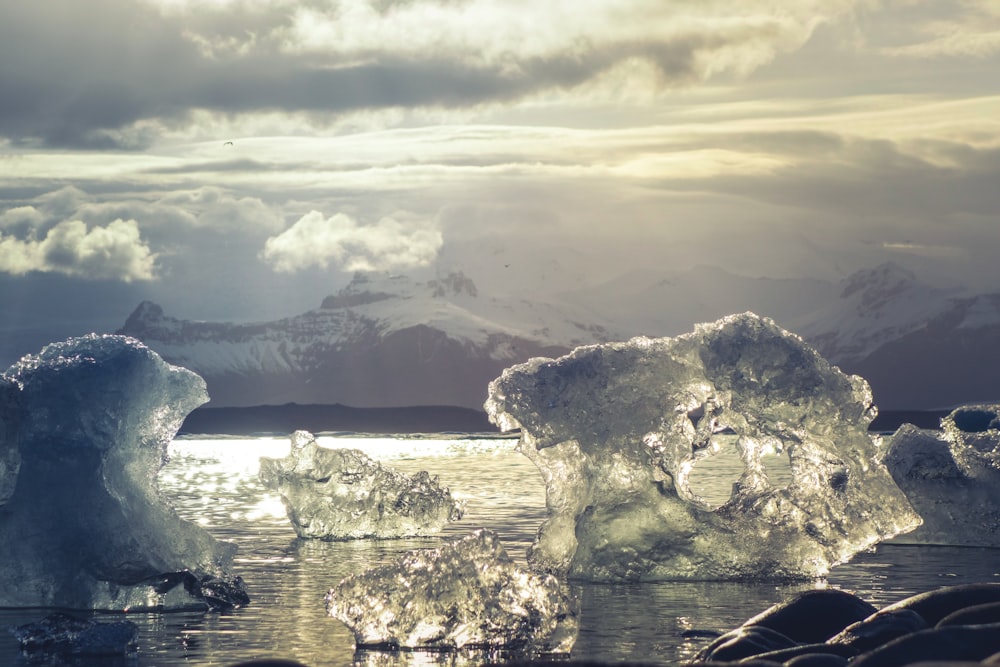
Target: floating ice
point(467, 594)
point(86, 424)
point(341, 494)
point(952, 477)
point(615, 430)
point(64, 635)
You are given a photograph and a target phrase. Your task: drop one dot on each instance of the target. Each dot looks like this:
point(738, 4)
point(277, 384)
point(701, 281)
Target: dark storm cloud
point(85, 74)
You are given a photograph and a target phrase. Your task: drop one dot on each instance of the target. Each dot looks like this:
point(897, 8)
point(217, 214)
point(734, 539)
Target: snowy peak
point(979, 311)
point(388, 340)
point(149, 321)
point(383, 340)
point(875, 306)
point(883, 276)
point(145, 315)
point(368, 288)
point(454, 284)
point(876, 290)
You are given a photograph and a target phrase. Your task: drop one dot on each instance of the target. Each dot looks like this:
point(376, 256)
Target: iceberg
point(342, 494)
point(466, 594)
point(617, 428)
point(951, 477)
point(85, 426)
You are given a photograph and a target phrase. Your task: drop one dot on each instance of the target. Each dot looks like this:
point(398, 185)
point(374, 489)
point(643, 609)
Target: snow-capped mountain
point(874, 307)
point(950, 359)
point(381, 341)
point(918, 346)
point(389, 341)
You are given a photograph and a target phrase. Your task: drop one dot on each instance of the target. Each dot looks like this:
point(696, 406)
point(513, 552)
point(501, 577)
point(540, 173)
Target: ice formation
point(341, 494)
point(62, 635)
point(466, 594)
point(952, 477)
point(85, 426)
point(615, 430)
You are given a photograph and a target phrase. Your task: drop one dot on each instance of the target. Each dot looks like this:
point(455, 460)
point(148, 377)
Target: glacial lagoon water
point(214, 483)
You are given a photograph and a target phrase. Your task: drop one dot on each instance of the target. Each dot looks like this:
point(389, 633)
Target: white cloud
point(958, 28)
point(318, 241)
point(922, 249)
point(504, 32)
point(113, 252)
point(20, 219)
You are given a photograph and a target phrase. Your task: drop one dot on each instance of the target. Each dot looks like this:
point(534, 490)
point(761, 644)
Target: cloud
point(112, 252)
point(20, 220)
point(117, 73)
point(922, 249)
point(317, 241)
point(951, 28)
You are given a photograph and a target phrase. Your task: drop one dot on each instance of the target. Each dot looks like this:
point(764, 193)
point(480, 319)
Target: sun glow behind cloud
point(387, 244)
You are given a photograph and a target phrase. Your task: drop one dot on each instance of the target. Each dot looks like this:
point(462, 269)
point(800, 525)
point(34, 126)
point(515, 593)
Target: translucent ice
point(952, 477)
point(85, 426)
point(341, 494)
point(616, 429)
point(466, 594)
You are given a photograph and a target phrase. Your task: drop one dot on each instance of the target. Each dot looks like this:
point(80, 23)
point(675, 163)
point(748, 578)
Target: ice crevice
point(616, 430)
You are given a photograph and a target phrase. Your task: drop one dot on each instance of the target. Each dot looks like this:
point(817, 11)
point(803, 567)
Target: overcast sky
point(240, 159)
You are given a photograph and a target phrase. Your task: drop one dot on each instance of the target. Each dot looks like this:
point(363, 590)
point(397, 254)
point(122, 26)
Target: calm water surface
point(214, 483)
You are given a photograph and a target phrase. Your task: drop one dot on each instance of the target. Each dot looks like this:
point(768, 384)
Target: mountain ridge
point(385, 340)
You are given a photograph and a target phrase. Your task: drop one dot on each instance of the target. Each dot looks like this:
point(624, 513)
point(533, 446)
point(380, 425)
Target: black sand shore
point(283, 419)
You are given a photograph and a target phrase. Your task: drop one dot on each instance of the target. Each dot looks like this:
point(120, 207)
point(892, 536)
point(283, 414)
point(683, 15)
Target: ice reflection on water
point(214, 482)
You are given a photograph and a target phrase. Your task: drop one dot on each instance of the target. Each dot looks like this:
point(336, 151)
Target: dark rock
point(800, 650)
point(218, 593)
point(935, 605)
point(817, 660)
point(814, 616)
point(224, 593)
point(980, 614)
point(953, 643)
point(556, 662)
point(879, 629)
point(744, 642)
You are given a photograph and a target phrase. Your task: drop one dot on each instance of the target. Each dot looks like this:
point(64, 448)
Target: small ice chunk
point(61, 634)
point(341, 494)
point(85, 426)
point(951, 477)
point(616, 429)
point(466, 594)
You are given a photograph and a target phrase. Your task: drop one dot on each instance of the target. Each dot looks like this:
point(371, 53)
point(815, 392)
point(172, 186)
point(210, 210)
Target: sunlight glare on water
point(214, 482)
